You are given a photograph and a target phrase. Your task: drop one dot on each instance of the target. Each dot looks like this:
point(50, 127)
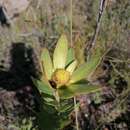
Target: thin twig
point(38, 4)
point(71, 22)
point(95, 35)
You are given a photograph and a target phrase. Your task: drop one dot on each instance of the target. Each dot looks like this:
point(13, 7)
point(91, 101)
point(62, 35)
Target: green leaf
point(70, 56)
point(65, 107)
point(72, 90)
point(51, 119)
point(48, 118)
point(60, 53)
point(72, 66)
point(64, 123)
point(43, 87)
point(86, 69)
point(47, 63)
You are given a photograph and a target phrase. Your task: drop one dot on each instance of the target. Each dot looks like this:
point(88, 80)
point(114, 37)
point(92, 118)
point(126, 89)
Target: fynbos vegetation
point(64, 65)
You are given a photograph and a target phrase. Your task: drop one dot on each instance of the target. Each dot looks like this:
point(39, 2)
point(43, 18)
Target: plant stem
point(71, 41)
point(76, 114)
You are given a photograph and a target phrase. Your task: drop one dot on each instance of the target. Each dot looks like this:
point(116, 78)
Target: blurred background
point(21, 39)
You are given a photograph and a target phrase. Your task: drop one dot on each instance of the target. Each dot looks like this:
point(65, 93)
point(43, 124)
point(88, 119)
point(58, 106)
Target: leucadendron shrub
point(63, 78)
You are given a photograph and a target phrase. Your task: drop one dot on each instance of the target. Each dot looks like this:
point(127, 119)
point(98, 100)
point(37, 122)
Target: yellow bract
point(61, 77)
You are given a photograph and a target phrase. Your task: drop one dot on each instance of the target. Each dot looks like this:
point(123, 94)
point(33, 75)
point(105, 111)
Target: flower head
point(61, 77)
point(60, 69)
point(62, 73)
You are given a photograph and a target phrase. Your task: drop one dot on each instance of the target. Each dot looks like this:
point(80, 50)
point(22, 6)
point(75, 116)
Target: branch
point(96, 32)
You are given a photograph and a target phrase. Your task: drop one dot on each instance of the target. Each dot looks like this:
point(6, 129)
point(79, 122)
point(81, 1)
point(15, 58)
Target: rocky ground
point(40, 25)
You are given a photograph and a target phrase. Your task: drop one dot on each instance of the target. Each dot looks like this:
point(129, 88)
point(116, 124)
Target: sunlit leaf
point(84, 70)
point(47, 63)
point(43, 87)
point(70, 56)
point(67, 92)
point(49, 101)
point(60, 52)
point(72, 66)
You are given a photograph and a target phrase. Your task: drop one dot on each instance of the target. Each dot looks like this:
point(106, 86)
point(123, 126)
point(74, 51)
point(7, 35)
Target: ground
point(40, 26)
